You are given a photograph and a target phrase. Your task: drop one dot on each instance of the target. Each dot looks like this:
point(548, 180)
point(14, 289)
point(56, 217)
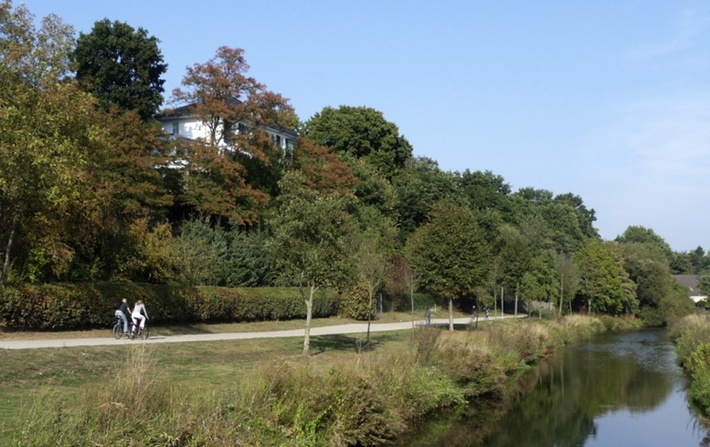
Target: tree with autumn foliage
point(322, 170)
point(46, 131)
point(223, 171)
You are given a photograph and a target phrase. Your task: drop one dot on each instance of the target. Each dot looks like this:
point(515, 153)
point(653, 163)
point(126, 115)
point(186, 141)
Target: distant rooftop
point(690, 282)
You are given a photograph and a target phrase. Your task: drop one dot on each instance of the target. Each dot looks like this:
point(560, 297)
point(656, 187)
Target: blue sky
point(609, 100)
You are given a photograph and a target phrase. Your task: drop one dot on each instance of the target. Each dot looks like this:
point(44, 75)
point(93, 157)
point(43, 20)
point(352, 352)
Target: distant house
point(183, 122)
point(690, 282)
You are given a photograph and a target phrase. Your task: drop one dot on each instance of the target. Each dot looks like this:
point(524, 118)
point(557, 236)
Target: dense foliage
point(692, 337)
point(91, 192)
point(121, 66)
point(80, 306)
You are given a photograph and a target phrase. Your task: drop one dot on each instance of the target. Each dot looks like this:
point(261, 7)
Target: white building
point(183, 122)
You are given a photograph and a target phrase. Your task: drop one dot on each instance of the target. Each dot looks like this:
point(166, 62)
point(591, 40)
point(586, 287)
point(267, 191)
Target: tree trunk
point(369, 316)
point(8, 250)
point(411, 298)
point(517, 287)
point(502, 303)
point(562, 294)
point(451, 314)
point(309, 314)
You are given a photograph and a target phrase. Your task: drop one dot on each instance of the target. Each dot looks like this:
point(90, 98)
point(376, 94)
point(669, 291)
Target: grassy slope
point(33, 380)
point(199, 366)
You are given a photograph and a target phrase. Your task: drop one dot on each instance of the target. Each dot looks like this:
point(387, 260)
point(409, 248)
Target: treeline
point(92, 189)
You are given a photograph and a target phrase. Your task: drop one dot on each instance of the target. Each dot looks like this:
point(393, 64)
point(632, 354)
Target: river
point(621, 389)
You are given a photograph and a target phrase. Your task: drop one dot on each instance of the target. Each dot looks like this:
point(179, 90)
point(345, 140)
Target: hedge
point(89, 305)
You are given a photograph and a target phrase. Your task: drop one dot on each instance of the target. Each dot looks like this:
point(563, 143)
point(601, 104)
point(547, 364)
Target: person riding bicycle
point(121, 312)
point(140, 314)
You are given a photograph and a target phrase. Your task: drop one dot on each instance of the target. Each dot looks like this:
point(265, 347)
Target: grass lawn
point(29, 377)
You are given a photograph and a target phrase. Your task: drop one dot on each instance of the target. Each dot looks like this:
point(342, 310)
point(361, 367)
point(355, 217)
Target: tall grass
point(691, 335)
point(361, 399)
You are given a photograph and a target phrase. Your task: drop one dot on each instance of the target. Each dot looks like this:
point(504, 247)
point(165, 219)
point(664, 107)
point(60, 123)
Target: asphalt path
point(352, 328)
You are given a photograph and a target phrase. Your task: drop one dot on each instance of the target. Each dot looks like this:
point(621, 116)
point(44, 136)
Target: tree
point(401, 278)
point(246, 262)
point(647, 265)
point(449, 253)
point(50, 139)
point(568, 277)
point(361, 132)
point(323, 170)
point(309, 242)
point(603, 281)
point(121, 66)
point(233, 172)
point(417, 189)
point(126, 185)
point(371, 262)
point(485, 191)
point(39, 56)
point(641, 234)
point(514, 256)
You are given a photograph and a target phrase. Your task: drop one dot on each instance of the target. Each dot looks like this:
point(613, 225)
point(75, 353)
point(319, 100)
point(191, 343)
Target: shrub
point(472, 366)
point(700, 392)
point(73, 306)
point(355, 303)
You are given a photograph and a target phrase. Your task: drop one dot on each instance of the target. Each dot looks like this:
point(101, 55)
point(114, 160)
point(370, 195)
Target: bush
point(692, 338)
point(75, 306)
point(355, 303)
point(470, 365)
point(700, 392)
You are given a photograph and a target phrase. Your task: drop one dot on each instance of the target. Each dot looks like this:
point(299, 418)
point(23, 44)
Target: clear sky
point(606, 99)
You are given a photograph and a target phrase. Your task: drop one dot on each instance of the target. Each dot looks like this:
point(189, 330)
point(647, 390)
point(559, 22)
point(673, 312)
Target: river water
point(621, 389)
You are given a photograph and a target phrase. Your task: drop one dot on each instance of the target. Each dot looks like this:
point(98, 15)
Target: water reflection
point(622, 389)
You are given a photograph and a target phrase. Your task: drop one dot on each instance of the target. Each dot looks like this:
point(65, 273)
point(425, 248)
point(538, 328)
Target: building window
point(176, 128)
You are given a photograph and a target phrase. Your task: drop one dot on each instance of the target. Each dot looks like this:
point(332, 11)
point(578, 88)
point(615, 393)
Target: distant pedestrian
point(427, 316)
point(485, 309)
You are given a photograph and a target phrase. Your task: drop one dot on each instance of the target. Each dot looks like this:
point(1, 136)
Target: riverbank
point(691, 335)
point(258, 392)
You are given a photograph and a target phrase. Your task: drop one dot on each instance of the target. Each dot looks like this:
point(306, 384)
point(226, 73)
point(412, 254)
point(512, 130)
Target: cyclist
point(121, 312)
point(139, 314)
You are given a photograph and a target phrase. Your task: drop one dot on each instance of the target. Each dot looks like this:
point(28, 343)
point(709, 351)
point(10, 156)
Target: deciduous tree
point(121, 66)
point(309, 242)
point(362, 132)
point(603, 281)
point(226, 172)
point(449, 253)
point(322, 170)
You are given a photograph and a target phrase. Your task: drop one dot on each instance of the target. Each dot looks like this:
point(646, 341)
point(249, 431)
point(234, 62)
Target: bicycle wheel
point(117, 330)
point(145, 333)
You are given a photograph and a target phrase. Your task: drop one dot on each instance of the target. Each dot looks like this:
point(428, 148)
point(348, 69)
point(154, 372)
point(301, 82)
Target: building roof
point(690, 282)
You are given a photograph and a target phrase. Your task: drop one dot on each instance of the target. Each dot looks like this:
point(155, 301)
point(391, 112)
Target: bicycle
point(134, 331)
point(118, 328)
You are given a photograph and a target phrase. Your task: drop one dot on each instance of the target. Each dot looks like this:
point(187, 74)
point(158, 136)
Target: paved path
point(326, 330)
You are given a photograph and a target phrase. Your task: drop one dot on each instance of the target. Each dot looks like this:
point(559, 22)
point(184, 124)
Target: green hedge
point(75, 306)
